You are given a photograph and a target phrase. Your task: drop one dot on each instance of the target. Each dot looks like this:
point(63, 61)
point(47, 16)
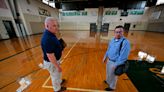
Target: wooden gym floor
point(81, 61)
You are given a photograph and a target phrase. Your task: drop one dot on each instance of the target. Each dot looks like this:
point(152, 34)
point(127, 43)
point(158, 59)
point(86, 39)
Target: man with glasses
point(115, 56)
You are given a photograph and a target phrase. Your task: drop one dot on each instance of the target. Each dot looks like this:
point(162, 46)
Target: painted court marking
point(74, 89)
point(70, 50)
point(80, 89)
point(69, 88)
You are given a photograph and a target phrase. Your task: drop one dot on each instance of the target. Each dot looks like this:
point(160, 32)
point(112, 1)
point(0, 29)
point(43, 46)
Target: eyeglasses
point(118, 32)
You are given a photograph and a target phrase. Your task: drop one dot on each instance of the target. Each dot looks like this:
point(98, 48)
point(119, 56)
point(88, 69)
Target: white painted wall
point(3, 32)
point(5, 14)
point(30, 14)
point(78, 22)
point(140, 21)
point(156, 18)
point(83, 22)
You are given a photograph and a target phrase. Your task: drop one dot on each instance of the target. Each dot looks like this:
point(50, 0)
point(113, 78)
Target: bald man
point(52, 52)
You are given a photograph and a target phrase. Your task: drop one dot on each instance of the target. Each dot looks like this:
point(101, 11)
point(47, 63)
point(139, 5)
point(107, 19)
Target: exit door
point(10, 29)
point(127, 26)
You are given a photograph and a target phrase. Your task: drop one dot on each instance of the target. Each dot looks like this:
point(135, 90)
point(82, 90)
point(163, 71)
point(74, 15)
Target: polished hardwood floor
point(81, 61)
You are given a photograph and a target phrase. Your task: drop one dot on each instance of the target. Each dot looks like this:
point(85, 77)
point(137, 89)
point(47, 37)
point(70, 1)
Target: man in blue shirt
point(115, 56)
point(52, 52)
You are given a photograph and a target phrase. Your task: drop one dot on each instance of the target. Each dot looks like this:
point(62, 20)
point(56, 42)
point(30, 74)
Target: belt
point(112, 60)
point(46, 60)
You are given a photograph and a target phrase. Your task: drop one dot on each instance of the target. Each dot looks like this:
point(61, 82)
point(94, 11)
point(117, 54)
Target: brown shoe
point(63, 81)
point(62, 89)
point(109, 89)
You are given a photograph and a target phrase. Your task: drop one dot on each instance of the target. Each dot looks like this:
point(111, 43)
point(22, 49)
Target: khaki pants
point(55, 75)
point(111, 78)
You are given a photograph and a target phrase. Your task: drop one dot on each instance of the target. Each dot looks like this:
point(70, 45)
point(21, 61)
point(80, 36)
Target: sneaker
point(109, 89)
point(63, 81)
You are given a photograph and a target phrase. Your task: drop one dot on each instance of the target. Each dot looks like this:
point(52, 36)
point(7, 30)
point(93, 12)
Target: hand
point(104, 61)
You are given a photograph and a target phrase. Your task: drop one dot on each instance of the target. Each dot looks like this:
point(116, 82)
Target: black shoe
point(63, 81)
point(109, 89)
point(62, 89)
point(105, 82)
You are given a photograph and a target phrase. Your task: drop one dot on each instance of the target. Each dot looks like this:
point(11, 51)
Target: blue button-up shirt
point(115, 54)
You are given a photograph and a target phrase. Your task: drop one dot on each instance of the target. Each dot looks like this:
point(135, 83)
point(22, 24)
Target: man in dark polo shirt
point(52, 52)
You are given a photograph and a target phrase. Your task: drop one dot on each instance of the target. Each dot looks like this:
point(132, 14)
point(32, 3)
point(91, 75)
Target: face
point(118, 33)
point(53, 26)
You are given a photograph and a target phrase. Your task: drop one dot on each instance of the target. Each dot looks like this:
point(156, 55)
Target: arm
point(105, 59)
point(53, 60)
point(106, 54)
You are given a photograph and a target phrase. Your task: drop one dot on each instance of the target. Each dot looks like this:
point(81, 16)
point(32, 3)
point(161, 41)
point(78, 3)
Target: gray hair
point(48, 19)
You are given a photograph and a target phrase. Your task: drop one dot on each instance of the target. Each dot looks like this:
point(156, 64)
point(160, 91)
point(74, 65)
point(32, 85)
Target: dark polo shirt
point(50, 44)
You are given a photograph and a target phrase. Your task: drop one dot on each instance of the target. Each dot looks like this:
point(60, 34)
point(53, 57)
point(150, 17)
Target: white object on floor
point(150, 59)
point(24, 83)
point(162, 71)
point(142, 54)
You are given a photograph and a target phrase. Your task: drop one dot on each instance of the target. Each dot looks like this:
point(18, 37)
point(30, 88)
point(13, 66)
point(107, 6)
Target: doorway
point(127, 26)
point(0, 37)
point(93, 29)
point(10, 29)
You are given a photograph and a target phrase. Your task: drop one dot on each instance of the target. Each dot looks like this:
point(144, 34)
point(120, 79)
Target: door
point(105, 27)
point(127, 26)
point(93, 29)
point(0, 37)
point(10, 29)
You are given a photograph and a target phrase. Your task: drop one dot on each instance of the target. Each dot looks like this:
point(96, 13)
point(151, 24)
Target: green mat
point(143, 79)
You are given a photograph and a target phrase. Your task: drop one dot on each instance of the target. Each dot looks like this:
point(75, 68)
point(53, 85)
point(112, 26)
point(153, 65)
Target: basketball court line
point(80, 89)
point(70, 50)
point(18, 53)
point(44, 84)
point(73, 89)
point(70, 88)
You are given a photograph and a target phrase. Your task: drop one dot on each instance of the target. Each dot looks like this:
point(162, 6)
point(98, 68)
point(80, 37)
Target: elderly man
point(116, 55)
point(52, 52)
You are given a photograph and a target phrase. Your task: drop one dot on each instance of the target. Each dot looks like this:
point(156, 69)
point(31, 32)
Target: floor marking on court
point(80, 89)
point(69, 88)
point(86, 90)
point(70, 50)
point(18, 53)
point(44, 84)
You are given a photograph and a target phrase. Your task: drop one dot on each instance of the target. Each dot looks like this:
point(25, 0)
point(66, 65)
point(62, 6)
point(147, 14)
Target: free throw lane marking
point(70, 50)
point(44, 84)
point(69, 88)
point(80, 89)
